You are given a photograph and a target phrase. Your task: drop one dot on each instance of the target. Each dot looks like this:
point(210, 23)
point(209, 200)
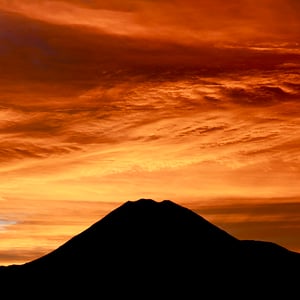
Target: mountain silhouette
point(159, 249)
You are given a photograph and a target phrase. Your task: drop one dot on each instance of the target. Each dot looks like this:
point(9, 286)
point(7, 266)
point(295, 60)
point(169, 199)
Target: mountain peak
point(148, 220)
point(145, 200)
point(148, 202)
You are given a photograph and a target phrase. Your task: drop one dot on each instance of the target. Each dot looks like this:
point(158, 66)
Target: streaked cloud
point(273, 221)
point(4, 223)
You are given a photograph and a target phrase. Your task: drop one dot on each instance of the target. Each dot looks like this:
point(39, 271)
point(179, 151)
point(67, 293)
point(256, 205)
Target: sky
point(103, 102)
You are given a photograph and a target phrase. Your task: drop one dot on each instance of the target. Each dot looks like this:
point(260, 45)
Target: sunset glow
point(102, 102)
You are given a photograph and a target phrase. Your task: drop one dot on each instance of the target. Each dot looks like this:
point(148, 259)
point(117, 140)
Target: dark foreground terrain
point(158, 250)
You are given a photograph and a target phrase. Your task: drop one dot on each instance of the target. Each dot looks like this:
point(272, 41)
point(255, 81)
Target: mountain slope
point(159, 247)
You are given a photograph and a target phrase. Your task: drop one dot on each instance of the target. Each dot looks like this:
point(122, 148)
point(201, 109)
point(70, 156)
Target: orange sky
point(107, 101)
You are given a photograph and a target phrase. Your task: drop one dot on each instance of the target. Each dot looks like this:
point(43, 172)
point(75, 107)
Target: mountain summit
point(157, 247)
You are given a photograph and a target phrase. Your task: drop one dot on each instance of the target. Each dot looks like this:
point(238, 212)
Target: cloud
point(19, 256)
point(41, 229)
point(172, 108)
point(4, 223)
point(260, 95)
point(274, 220)
point(61, 59)
point(183, 21)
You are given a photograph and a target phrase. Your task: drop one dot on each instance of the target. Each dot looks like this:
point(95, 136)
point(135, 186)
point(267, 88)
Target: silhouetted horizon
point(150, 202)
point(159, 245)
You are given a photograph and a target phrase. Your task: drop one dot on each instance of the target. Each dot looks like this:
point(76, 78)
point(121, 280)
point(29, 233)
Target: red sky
point(107, 101)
